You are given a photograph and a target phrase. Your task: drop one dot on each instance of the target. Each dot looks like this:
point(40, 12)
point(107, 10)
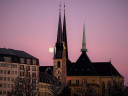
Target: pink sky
point(31, 26)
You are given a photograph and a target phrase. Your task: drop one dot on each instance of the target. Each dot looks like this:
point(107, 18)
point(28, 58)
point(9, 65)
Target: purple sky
point(31, 26)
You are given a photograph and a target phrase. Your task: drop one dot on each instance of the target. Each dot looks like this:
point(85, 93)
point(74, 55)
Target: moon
point(51, 50)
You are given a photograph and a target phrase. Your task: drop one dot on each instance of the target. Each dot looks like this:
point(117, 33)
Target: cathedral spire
point(83, 41)
point(59, 45)
point(65, 34)
point(59, 34)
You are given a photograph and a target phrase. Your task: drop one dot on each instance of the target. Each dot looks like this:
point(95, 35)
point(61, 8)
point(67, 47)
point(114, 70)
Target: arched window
point(58, 64)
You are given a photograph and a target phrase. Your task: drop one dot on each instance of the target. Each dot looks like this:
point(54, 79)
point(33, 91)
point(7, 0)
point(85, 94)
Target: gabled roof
point(105, 69)
point(18, 53)
point(82, 67)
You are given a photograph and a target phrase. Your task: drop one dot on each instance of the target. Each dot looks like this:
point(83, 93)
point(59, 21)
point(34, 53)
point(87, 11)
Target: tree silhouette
point(26, 85)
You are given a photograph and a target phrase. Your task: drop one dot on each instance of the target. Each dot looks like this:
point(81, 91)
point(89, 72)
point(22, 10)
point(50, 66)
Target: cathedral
point(95, 74)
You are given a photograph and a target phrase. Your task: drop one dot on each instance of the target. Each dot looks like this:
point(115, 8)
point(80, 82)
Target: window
point(8, 85)
point(15, 72)
point(22, 61)
point(21, 73)
point(8, 71)
point(77, 82)
point(4, 71)
point(33, 74)
point(28, 68)
point(28, 61)
point(21, 67)
point(12, 78)
point(27, 74)
point(8, 78)
point(33, 68)
point(4, 64)
point(33, 81)
point(4, 92)
point(0, 85)
point(12, 72)
point(4, 85)
point(12, 85)
point(1, 58)
point(7, 59)
point(58, 64)
point(0, 91)
point(34, 61)
point(1, 71)
point(4, 78)
point(13, 65)
point(1, 78)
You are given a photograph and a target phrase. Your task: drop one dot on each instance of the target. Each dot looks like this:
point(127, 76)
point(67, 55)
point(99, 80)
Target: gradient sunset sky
point(31, 26)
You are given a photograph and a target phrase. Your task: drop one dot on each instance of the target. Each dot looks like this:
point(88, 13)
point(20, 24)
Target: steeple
point(59, 45)
point(83, 41)
point(59, 35)
point(65, 34)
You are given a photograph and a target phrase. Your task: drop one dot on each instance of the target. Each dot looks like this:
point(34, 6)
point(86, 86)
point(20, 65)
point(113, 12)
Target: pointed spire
point(64, 33)
point(83, 41)
point(59, 36)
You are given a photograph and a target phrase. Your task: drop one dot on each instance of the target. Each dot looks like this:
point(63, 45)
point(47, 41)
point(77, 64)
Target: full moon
point(50, 50)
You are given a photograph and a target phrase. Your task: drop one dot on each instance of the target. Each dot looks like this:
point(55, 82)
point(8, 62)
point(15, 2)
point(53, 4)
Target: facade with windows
point(13, 64)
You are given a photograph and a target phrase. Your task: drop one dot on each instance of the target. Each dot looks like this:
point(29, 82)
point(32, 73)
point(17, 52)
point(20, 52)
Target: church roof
point(82, 67)
point(105, 69)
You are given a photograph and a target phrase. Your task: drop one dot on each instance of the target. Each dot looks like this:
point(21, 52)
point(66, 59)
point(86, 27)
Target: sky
point(31, 26)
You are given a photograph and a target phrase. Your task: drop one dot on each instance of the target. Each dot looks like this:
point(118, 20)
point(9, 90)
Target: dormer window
point(22, 60)
point(7, 59)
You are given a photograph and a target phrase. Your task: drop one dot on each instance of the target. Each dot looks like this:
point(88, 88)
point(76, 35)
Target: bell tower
point(60, 51)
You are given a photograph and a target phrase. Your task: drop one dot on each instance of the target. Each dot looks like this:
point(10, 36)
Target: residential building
point(13, 64)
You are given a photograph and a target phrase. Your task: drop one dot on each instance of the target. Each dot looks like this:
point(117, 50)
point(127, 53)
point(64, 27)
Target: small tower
point(84, 41)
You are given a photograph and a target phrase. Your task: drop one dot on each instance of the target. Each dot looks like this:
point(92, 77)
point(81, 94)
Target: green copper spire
point(83, 41)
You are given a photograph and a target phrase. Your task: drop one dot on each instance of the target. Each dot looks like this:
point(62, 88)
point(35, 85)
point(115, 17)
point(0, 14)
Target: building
point(96, 75)
point(13, 64)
